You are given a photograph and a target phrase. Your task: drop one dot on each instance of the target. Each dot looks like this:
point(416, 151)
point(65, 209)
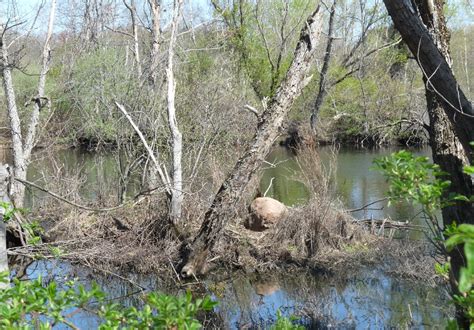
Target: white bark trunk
point(155, 7)
point(22, 150)
point(177, 141)
point(19, 162)
point(4, 179)
point(136, 46)
point(38, 102)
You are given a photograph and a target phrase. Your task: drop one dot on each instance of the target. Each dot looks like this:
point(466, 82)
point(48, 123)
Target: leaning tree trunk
point(447, 149)
point(435, 67)
point(324, 70)
point(230, 193)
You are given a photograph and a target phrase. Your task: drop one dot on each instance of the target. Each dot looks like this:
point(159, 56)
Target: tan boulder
point(265, 212)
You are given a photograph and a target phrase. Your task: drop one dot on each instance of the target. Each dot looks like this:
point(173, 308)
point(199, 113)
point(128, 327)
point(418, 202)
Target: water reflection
point(366, 300)
point(358, 184)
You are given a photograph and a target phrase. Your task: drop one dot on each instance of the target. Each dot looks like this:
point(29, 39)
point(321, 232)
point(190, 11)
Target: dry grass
point(322, 236)
point(321, 224)
point(318, 235)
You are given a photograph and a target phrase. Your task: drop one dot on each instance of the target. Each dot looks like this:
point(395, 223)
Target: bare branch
point(164, 180)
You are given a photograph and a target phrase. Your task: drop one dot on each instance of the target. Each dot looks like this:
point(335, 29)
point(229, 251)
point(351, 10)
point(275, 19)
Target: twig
point(252, 110)
point(269, 186)
point(367, 205)
point(163, 178)
point(87, 208)
point(174, 270)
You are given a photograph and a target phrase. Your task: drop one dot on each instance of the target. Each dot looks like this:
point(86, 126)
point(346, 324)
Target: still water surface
point(369, 299)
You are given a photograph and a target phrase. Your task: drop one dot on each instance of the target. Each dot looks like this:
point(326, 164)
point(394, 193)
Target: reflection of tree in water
point(366, 300)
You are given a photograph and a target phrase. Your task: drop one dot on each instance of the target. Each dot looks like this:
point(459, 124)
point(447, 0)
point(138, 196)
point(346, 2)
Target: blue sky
point(463, 17)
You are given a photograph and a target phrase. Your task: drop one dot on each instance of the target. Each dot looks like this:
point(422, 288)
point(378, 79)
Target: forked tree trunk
point(447, 149)
point(223, 207)
point(19, 161)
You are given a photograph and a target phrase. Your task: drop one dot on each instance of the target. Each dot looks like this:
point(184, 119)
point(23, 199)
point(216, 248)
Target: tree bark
point(324, 70)
point(223, 208)
point(435, 68)
point(136, 46)
point(155, 7)
point(19, 161)
point(176, 136)
point(22, 149)
point(4, 197)
point(447, 149)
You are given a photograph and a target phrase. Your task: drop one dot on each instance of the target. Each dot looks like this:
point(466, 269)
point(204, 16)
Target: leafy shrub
point(33, 305)
point(416, 180)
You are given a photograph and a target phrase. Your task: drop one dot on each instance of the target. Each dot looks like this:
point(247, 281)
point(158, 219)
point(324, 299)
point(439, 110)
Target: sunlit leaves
point(414, 179)
point(36, 305)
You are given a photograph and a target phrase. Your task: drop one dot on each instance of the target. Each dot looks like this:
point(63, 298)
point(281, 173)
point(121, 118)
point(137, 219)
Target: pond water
point(368, 299)
point(356, 183)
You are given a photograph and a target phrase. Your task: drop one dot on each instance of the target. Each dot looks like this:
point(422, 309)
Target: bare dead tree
point(324, 70)
point(155, 8)
point(233, 188)
point(159, 167)
point(22, 148)
point(176, 136)
point(136, 45)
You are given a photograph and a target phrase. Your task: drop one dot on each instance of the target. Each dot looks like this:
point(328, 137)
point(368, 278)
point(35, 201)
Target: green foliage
point(463, 235)
point(257, 37)
point(285, 323)
point(34, 305)
point(34, 231)
point(414, 179)
point(443, 269)
point(25, 302)
point(160, 311)
point(8, 211)
point(89, 91)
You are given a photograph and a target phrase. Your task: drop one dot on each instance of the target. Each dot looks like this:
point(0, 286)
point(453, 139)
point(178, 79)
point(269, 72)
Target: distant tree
point(23, 138)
